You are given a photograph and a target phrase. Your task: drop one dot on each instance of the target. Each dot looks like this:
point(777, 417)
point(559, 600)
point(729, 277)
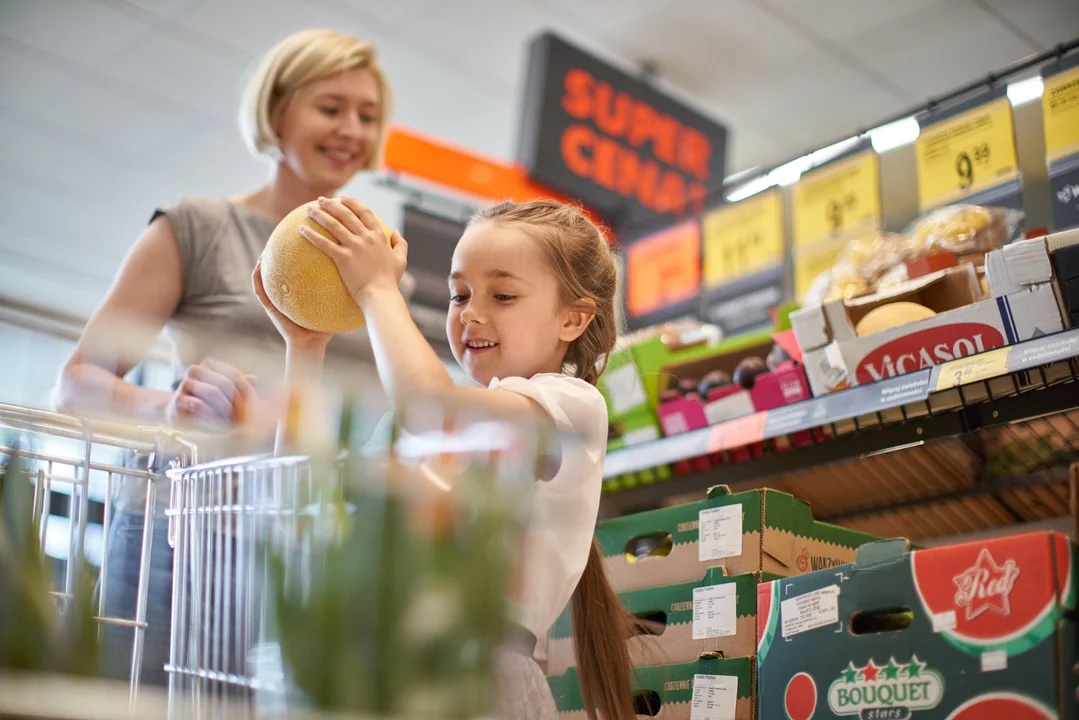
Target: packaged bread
point(863, 262)
point(963, 230)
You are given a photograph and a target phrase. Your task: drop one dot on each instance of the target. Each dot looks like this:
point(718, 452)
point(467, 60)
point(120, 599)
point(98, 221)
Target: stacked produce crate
point(689, 575)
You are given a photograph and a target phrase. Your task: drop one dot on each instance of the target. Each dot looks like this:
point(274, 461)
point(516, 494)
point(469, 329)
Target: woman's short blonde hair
point(299, 59)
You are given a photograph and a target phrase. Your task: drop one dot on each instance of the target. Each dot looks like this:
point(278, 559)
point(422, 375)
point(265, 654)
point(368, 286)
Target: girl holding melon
point(531, 320)
point(317, 106)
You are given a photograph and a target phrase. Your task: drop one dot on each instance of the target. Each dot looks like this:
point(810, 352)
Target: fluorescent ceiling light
point(895, 134)
point(1025, 91)
point(789, 173)
point(754, 186)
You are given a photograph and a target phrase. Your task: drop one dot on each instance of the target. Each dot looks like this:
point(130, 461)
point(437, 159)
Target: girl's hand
point(294, 335)
point(358, 246)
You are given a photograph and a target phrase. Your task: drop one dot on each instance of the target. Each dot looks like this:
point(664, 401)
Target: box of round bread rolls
point(930, 320)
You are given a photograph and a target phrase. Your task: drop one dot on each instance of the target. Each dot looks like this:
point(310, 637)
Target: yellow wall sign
point(833, 205)
point(1060, 111)
point(963, 155)
point(743, 238)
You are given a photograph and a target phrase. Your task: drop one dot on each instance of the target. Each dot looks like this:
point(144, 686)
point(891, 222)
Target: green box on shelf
point(722, 689)
point(964, 632)
point(636, 427)
point(622, 386)
point(719, 611)
point(758, 530)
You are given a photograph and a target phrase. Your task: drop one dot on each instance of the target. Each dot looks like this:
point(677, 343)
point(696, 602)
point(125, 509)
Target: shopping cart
point(80, 464)
point(231, 520)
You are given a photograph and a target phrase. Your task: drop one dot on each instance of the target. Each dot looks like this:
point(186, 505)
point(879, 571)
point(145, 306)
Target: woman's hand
point(358, 246)
point(294, 335)
point(211, 393)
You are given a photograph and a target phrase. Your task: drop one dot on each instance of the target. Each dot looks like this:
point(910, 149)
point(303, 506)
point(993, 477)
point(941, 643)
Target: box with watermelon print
point(678, 623)
point(753, 531)
point(706, 689)
point(976, 631)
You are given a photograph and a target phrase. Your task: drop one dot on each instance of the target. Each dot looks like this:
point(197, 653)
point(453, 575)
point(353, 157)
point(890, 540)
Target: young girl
point(531, 319)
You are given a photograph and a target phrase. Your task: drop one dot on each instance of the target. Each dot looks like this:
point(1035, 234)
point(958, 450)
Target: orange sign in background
point(412, 153)
point(663, 269)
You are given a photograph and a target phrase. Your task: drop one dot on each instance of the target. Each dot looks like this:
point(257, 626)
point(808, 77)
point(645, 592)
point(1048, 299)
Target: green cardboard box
point(977, 631)
point(719, 689)
point(716, 614)
point(634, 428)
point(753, 531)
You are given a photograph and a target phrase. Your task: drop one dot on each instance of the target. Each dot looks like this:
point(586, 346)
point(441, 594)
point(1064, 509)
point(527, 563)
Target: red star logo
point(986, 586)
point(869, 672)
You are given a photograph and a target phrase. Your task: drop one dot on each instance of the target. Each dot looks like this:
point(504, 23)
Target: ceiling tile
point(73, 29)
point(703, 46)
point(194, 78)
point(911, 49)
point(234, 21)
point(24, 81)
point(1046, 22)
point(840, 19)
point(112, 118)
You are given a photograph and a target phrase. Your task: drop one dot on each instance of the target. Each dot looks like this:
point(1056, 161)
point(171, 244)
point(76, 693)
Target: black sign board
point(611, 141)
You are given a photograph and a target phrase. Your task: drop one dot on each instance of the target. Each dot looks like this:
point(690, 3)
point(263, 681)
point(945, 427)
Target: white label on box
point(715, 697)
point(624, 388)
point(640, 435)
point(674, 423)
point(728, 408)
point(719, 533)
point(714, 611)
point(810, 611)
point(994, 660)
point(943, 622)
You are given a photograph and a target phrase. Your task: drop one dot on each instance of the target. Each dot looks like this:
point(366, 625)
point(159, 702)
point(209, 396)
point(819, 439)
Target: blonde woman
point(317, 106)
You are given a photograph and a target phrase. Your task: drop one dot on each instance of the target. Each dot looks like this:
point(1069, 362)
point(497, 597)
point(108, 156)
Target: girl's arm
point(371, 269)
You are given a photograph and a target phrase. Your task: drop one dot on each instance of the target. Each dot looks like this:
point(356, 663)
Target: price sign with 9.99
point(966, 154)
point(833, 204)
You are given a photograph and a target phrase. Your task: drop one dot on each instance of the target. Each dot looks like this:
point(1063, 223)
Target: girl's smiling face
point(506, 317)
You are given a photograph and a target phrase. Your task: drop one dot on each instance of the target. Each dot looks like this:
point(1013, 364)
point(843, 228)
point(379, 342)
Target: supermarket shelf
point(905, 394)
point(967, 403)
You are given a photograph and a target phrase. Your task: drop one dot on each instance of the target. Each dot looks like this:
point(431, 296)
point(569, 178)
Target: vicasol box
point(969, 632)
point(753, 531)
point(1023, 305)
point(723, 689)
point(678, 623)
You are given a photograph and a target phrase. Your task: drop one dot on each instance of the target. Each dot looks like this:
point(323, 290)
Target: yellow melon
point(302, 281)
point(891, 316)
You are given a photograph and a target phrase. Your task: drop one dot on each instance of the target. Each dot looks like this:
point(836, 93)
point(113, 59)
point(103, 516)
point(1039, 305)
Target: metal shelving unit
point(944, 451)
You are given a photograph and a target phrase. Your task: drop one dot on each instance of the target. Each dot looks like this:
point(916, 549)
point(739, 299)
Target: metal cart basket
point(80, 464)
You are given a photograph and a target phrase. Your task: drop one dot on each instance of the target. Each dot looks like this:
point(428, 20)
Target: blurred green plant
point(405, 602)
point(38, 633)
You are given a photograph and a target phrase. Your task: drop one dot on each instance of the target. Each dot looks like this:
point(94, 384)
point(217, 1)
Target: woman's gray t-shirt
point(218, 315)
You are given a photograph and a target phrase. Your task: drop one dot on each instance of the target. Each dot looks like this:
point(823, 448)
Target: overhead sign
point(833, 204)
point(613, 142)
point(663, 271)
point(967, 153)
point(743, 263)
point(1060, 113)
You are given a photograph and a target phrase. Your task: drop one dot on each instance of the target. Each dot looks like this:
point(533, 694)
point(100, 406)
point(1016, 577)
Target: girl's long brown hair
point(584, 264)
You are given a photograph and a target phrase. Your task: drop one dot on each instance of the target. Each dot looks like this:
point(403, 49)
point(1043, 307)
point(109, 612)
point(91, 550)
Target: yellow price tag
point(1060, 113)
point(838, 200)
point(743, 239)
point(961, 156)
point(975, 368)
point(832, 206)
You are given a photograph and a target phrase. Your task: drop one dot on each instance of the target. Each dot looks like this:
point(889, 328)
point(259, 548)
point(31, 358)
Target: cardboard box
point(754, 531)
point(716, 614)
point(965, 632)
point(723, 689)
point(1024, 306)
